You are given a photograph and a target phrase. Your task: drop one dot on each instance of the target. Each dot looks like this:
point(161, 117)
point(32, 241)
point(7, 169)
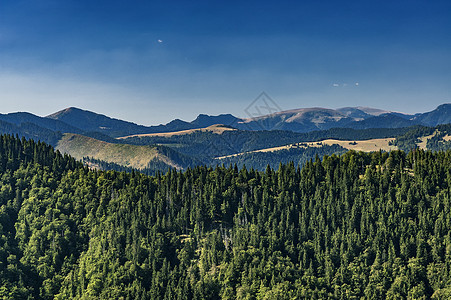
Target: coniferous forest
point(355, 226)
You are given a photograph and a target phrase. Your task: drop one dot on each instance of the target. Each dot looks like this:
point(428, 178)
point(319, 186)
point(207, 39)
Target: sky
point(150, 62)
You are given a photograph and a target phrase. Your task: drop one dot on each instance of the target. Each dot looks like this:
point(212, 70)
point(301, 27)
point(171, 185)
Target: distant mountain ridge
point(75, 120)
point(18, 118)
point(183, 144)
point(90, 121)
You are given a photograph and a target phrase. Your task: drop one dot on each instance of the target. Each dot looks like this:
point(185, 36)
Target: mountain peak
point(444, 106)
point(63, 112)
point(204, 120)
point(90, 121)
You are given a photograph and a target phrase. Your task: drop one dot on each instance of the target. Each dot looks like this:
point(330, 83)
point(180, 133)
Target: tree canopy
point(359, 225)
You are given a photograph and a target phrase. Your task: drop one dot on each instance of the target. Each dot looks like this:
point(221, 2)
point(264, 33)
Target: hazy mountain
point(206, 120)
point(310, 119)
point(30, 131)
point(174, 125)
point(354, 112)
point(372, 111)
point(98, 133)
point(362, 112)
point(25, 117)
point(383, 121)
point(94, 122)
point(90, 121)
point(298, 120)
point(440, 115)
point(75, 120)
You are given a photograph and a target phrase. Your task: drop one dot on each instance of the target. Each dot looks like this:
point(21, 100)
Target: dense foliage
point(441, 140)
point(298, 155)
point(154, 166)
point(374, 226)
point(435, 137)
point(208, 144)
point(409, 140)
point(31, 131)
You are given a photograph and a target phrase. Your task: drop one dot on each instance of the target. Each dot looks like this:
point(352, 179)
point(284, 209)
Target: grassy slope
point(218, 129)
point(138, 157)
point(364, 145)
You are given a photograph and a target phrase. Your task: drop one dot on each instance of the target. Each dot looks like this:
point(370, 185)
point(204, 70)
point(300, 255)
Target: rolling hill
point(370, 145)
point(138, 157)
point(217, 129)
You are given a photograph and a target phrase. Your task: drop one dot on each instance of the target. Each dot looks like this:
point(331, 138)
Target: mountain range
point(75, 120)
point(182, 144)
point(297, 120)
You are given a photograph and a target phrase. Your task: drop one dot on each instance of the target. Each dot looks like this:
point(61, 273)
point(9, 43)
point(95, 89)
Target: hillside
point(30, 131)
point(441, 115)
point(49, 124)
point(185, 144)
point(90, 121)
point(137, 157)
point(75, 120)
point(356, 145)
point(217, 129)
point(358, 226)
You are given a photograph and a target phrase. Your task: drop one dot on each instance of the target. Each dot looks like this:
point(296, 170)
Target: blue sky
point(152, 61)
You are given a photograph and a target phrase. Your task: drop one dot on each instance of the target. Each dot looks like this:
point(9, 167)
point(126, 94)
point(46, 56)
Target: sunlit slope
point(138, 157)
point(363, 145)
point(217, 129)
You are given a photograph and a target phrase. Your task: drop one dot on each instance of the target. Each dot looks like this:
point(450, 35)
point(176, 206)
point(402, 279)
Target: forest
point(351, 226)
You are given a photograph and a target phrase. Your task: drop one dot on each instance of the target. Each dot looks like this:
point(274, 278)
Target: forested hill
point(372, 226)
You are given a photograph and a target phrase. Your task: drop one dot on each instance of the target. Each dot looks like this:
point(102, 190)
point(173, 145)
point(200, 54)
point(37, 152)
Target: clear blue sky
point(153, 61)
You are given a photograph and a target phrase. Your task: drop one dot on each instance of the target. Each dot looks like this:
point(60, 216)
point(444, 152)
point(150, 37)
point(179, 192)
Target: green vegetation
point(154, 166)
point(260, 160)
point(31, 131)
point(206, 146)
point(180, 151)
point(433, 138)
point(411, 138)
point(439, 142)
point(231, 142)
point(371, 226)
point(129, 156)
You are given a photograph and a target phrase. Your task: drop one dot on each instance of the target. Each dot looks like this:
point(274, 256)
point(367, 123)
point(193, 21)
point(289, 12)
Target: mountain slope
point(440, 115)
point(30, 131)
point(203, 120)
point(51, 124)
point(358, 226)
point(137, 157)
point(90, 121)
point(217, 129)
point(297, 120)
point(383, 121)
